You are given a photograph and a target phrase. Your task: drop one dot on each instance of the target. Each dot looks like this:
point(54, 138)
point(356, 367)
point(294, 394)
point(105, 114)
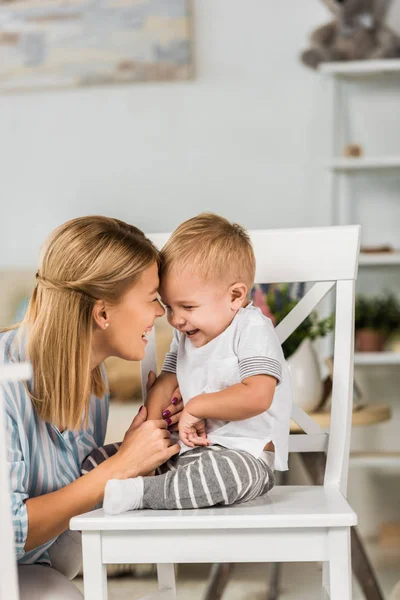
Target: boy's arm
point(244, 400)
point(160, 395)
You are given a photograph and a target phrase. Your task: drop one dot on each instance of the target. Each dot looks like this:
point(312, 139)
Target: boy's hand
point(192, 430)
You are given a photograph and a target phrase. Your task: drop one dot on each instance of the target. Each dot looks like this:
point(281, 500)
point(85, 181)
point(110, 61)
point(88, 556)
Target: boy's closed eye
point(184, 306)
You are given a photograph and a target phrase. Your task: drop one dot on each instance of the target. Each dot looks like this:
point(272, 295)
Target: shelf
point(363, 415)
point(360, 68)
point(370, 259)
point(377, 358)
point(365, 163)
point(375, 459)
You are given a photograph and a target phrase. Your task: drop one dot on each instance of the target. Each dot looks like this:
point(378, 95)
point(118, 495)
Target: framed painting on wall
point(68, 43)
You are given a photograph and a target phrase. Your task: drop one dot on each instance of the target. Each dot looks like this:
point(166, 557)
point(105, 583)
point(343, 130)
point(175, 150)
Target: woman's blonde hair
point(211, 247)
point(84, 260)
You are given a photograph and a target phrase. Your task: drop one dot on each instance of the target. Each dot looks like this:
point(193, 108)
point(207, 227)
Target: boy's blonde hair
point(211, 247)
point(85, 260)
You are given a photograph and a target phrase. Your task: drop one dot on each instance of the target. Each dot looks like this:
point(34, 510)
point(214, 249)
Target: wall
point(236, 139)
point(246, 138)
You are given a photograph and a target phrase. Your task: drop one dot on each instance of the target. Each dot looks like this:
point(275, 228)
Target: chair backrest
point(8, 569)
point(327, 257)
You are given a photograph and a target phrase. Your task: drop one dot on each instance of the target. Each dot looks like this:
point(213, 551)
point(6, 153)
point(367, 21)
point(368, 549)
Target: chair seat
point(283, 507)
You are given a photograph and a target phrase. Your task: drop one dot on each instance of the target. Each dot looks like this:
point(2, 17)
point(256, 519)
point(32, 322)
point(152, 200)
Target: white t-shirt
point(249, 346)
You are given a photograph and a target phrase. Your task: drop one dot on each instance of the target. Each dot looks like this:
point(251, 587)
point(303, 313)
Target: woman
point(96, 296)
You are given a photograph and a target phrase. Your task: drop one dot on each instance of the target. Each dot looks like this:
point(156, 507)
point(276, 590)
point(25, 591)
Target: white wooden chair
point(8, 568)
point(291, 523)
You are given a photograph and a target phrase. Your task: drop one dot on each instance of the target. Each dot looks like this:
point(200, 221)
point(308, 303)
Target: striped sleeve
point(172, 356)
point(260, 365)
point(258, 349)
point(170, 362)
point(18, 485)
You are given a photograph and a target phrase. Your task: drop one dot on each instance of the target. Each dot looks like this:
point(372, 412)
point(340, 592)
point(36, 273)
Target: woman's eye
point(188, 307)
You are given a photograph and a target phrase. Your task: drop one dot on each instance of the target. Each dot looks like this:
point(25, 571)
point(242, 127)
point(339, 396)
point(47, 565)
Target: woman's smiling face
point(133, 317)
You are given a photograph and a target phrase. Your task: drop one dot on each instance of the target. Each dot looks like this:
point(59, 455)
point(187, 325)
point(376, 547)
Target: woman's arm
point(146, 445)
point(49, 515)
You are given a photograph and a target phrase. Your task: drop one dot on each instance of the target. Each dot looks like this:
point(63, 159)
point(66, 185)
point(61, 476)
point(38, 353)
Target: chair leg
point(339, 564)
point(94, 571)
point(363, 570)
point(166, 581)
point(219, 578)
point(274, 580)
point(282, 478)
point(325, 581)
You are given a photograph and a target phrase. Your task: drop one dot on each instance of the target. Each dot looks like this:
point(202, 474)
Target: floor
point(249, 582)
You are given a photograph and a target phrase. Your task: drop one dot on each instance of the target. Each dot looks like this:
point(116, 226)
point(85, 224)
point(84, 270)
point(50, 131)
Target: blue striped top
point(41, 459)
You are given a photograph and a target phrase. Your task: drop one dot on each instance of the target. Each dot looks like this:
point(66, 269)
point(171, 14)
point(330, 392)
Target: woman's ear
point(100, 314)
point(238, 292)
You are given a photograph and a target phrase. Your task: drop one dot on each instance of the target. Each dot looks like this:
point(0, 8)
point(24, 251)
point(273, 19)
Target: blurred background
point(153, 111)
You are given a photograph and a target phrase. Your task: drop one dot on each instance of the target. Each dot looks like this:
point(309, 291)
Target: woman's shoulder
point(10, 341)
point(16, 398)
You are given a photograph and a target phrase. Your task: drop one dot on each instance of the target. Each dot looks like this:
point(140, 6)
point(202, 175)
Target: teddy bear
point(357, 33)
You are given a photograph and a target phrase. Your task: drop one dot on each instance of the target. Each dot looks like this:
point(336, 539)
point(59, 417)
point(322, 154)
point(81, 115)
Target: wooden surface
point(367, 414)
point(389, 534)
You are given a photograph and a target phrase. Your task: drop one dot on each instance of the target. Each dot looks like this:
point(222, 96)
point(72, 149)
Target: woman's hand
point(192, 430)
point(173, 411)
point(146, 446)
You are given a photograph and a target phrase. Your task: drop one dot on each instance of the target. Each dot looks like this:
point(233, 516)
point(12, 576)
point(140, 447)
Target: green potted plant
point(276, 301)
point(375, 319)
point(280, 299)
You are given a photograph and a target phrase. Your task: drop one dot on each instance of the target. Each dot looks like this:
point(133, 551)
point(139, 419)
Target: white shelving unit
point(340, 167)
point(374, 459)
point(376, 358)
point(360, 68)
point(340, 74)
point(376, 259)
point(370, 163)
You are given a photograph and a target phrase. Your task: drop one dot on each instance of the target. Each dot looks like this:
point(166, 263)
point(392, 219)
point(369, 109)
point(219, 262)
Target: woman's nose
point(160, 310)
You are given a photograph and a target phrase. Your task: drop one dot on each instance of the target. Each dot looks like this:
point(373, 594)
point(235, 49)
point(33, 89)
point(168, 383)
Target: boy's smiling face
point(200, 309)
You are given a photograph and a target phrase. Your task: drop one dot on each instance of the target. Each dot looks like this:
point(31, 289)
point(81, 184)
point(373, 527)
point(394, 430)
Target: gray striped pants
point(204, 476)
point(207, 476)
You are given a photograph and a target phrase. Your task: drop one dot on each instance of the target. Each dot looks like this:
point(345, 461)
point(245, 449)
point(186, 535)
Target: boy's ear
point(100, 314)
point(238, 292)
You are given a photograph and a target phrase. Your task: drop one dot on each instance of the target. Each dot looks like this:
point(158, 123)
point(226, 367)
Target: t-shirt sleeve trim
point(170, 362)
point(260, 365)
